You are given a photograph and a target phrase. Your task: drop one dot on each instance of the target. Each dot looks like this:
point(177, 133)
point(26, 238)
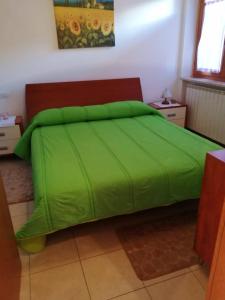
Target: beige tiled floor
point(65, 282)
point(185, 287)
point(60, 250)
point(110, 275)
point(88, 262)
point(95, 239)
point(202, 275)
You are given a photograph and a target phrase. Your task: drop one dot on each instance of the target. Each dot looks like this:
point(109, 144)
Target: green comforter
point(95, 162)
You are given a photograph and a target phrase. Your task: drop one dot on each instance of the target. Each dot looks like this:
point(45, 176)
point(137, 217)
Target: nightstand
point(175, 112)
point(9, 136)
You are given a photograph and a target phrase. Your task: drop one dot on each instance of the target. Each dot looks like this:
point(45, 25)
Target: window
point(210, 47)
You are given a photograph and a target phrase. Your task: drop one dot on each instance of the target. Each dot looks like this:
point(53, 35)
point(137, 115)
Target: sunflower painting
point(84, 23)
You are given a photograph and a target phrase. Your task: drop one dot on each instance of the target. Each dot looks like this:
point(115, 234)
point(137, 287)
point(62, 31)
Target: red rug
point(161, 246)
point(17, 179)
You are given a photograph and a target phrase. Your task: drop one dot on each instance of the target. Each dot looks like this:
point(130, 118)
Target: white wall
point(148, 41)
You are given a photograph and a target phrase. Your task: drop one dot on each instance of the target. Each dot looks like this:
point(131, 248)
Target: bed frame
point(41, 96)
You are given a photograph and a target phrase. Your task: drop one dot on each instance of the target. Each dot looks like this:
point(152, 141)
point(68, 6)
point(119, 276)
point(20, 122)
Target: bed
point(98, 151)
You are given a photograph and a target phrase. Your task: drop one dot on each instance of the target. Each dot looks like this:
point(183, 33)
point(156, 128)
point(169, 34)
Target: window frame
point(199, 74)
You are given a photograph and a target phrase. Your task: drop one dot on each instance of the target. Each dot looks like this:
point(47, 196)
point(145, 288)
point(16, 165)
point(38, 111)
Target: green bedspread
point(95, 162)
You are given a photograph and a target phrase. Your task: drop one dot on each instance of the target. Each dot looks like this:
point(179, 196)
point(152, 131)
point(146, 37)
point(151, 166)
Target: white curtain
point(210, 48)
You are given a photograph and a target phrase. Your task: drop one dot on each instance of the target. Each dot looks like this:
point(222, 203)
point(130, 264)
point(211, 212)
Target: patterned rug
point(17, 178)
point(161, 246)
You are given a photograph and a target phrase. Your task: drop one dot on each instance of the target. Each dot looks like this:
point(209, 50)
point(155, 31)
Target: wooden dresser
point(10, 265)
point(216, 286)
point(211, 205)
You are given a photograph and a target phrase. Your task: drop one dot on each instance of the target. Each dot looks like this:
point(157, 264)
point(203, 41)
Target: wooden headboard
point(41, 96)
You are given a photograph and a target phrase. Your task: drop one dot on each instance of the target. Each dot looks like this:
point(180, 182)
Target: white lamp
point(166, 95)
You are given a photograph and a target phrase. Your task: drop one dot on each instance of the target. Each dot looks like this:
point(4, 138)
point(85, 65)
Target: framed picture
point(84, 23)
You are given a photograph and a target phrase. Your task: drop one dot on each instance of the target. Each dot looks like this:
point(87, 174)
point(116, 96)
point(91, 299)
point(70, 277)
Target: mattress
point(95, 162)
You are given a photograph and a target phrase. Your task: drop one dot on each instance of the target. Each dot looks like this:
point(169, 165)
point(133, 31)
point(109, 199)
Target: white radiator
point(206, 111)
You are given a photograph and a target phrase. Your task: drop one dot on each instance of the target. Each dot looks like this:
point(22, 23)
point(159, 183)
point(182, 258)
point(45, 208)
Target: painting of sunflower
point(84, 23)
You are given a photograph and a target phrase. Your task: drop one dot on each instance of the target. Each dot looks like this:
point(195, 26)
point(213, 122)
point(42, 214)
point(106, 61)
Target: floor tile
point(195, 267)
point(95, 239)
point(20, 209)
point(25, 262)
point(202, 274)
point(184, 287)
point(18, 221)
point(25, 288)
point(110, 275)
point(166, 277)
point(136, 295)
point(66, 282)
point(60, 250)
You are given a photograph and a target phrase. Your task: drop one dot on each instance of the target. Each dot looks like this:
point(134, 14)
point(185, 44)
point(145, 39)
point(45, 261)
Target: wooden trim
point(42, 96)
point(198, 34)
point(216, 286)
point(19, 121)
point(199, 74)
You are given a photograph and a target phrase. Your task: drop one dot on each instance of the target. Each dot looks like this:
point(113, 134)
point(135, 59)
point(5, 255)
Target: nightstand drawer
point(174, 113)
point(7, 146)
point(179, 122)
point(7, 133)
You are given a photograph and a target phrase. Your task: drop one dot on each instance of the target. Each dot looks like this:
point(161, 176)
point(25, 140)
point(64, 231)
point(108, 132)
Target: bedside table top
point(158, 105)
point(219, 154)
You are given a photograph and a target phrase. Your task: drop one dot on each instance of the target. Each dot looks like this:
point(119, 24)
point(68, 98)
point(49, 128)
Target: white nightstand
point(175, 112)
point(9, 136)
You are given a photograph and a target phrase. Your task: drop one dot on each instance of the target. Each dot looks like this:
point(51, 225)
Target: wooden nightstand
point(175, 114)
point(9, 136)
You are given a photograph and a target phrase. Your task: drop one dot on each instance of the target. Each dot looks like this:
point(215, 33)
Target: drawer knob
point(4, 148)
point(2, 134)
point(171, 115)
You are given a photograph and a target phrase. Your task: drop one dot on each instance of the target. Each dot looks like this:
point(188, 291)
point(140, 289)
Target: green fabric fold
point(75, 114)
